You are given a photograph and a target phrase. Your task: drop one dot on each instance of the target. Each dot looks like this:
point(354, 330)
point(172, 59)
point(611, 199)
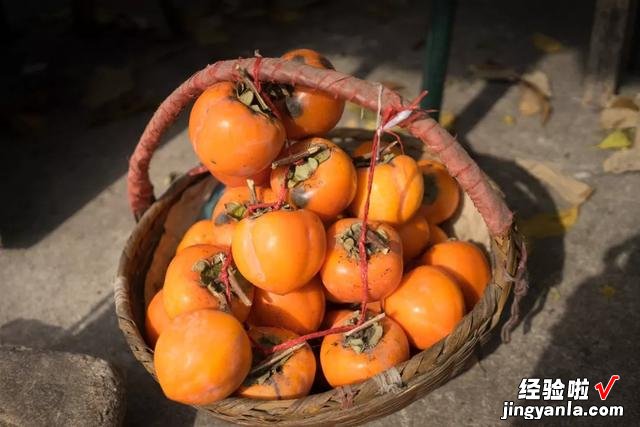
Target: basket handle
point(491, 206)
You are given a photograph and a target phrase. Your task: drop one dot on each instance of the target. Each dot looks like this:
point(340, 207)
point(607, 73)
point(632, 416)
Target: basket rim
point(503, 255)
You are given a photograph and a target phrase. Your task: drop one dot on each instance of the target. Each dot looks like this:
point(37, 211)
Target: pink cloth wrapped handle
point(491, 206)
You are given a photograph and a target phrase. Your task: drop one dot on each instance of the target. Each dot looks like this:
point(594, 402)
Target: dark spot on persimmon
point(294, 108)
point(430, 189)
point(299, 196)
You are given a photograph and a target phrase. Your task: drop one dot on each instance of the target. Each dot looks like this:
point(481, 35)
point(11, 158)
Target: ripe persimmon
point(437, 234)
point(309, 111)
point(333, 316)
point(441, 192)
point(261, 178)
point(288, 378)
point(232, 207)
point(415, 235)
point(193, 281)
point(363, 151)
point(466, 263)
point(340, 272)
point(202, 357)
point(300, 311)
point(201, 232)
point(322, 180)
point(232, 131)
point(428, 304)
point(156, 319)
point(396, 192)
point(281, 250)
point(349, 359)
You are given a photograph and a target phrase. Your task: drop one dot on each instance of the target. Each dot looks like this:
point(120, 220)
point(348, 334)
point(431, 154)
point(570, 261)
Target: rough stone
point(48, 388)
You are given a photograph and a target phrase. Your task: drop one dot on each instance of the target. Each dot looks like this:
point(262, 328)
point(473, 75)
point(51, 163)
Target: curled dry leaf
point(494, 71)
point(573, 191)
point(621, 113)
point(536, 95)
point(624, 160)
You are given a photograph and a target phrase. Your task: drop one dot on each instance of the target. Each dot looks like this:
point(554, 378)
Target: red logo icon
point(604, 392)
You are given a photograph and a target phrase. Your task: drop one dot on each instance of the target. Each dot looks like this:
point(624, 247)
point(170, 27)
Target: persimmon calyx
point(305, 163)
point(210, 270)
point(264, 368)
point(376, 241)
point(247, 93)
point(366, 336)
point(385, 155)
point(431, 189)
point(233, 212)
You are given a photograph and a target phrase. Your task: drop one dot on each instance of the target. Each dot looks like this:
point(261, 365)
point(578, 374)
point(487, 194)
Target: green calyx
point(233, 211)
point(308, 163)
point(209, 270)
point(263, 375)
point(376, 241)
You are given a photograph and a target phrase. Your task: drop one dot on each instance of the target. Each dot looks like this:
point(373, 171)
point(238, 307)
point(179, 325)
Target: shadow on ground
point(98, 335)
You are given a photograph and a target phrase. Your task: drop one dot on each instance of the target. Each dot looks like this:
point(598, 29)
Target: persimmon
point(396, 191)
point(333, 316)
point(363, 150)
point(441, 192)
point(156, 319)
point(300, 311)
point(437, 234)
point(280, 250)
point(261, 178)
point(201, 232)
point(466, 263)
point(193, 281)
point(202, 357)
point(428, 304)
point(233, 132)
point(349, 359)
point(232, 207)
point(288, 378)
point(340, 272)
point(309, 111)
point(322, 180)
point(415, 235)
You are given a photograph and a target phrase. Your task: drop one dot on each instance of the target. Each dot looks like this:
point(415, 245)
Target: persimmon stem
point(246, 79)
point(276, 358)
point(365, 324)
point(297, 156)
point(237, 289)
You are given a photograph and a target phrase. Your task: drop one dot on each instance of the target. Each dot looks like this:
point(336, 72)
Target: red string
point(304, 338)
point(255, 71)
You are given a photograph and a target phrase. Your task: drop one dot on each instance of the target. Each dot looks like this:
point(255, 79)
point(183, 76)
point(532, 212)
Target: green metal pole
point(437, 53)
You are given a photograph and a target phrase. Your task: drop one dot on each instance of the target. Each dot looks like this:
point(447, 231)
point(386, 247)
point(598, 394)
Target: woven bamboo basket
point(484, 217)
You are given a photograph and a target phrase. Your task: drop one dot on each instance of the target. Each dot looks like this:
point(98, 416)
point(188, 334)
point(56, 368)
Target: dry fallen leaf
point(508, 120)
point(616, 140)
point(535, 96)
point(624, 160)
point(619, 118)
point(545, 225)
point(573, 191)
point(554, 293)
point(623, 102)
point(546, 44)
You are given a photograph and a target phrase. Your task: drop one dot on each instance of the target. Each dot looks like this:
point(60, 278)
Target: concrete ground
point(74, 106)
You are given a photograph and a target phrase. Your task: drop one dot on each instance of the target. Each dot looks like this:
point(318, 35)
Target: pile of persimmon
point(268, 298)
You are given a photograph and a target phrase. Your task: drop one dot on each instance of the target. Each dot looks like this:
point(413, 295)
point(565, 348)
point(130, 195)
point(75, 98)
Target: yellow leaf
point(608, 291)
point(554, 293)
point(508, 120)
point(615, 140)
point(549, 224)
point(447, 119)
point(546, 44)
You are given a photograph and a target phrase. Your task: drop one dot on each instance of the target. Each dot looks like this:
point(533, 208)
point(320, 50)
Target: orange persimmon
point(309, 111)
point(156, 319)
point(323, 181)
point(415, 235)
point(349, 359)
point(437, 234)
point(279, 251)
point(396, 192)
point(300, 311)
point(193, 282)
point(428, 304)
point(201, 232)
point(289, 378)
point(441, 192)
point(232, 133)
point(340, 272)
point(202, 357)
point(466, 263)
